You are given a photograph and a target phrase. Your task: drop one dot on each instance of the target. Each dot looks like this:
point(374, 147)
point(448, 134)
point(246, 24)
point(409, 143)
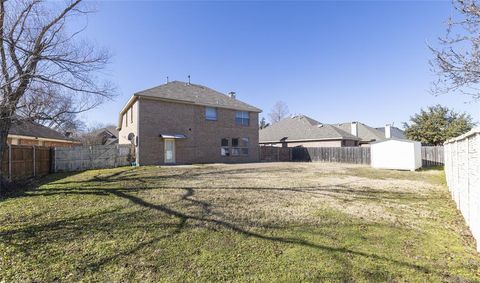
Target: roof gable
point(196, 94)
point(110, 130)
point(364, 132)
point(302, 127)
point(32, 129)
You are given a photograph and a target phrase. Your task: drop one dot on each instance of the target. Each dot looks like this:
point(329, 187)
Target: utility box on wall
point(396, 154)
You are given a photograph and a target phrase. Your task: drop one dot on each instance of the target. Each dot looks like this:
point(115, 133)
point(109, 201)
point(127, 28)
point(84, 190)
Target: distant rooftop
point(32, 129)
point(395, 132)
point(301, 127)
point(364, 132)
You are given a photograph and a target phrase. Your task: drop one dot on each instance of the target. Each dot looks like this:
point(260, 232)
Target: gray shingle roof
point(394, 132)
point(197, 94)
point(302, 128)
point(32, 129)
point(111, 130)
point(364, 132)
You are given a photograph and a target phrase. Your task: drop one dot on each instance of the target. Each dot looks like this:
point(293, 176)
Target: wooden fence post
point(33, 160)
point(10, 162)
point(52, 160)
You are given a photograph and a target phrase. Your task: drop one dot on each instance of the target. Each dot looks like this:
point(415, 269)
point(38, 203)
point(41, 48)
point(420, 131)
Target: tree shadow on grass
point(185, 217)
point(205, 216)
point(20, 188)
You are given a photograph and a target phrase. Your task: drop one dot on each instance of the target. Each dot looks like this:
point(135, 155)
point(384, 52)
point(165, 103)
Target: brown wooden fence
point(355, 155)
point(275, 154)
point(432, 156)
point(21, 162)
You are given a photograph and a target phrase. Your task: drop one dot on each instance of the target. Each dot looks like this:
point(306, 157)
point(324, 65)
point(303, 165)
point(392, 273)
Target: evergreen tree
point(437, 124)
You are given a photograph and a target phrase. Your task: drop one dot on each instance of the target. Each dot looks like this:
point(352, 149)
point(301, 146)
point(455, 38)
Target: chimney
point(188, 79)
point(354, 129)
point(388, 131)
point(232, 94)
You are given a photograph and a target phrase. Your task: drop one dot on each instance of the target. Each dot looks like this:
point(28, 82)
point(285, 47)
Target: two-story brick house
point(183, 123)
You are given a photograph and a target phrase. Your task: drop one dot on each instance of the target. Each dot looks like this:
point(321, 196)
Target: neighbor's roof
point(197, 94)
point(364, 132)
point(394, 132)
point(32, 129)
point(395, 139)
point(111, 129)
point(301, 127)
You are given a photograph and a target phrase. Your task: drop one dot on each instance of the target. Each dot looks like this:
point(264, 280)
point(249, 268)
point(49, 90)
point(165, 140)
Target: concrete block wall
point(91, 157)
point(462, 170)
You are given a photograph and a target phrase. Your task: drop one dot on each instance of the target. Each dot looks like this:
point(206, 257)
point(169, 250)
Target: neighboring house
point(31, 133)
point(392, 132)
point(106, 136)
point(304, 131)
point(365, 133)
point(182, 123)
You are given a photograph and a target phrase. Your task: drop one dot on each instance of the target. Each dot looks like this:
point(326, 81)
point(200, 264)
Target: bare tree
point(92, 134)
point(37, 54)
point(52, 109)
point(278, 112)
point(457, 59)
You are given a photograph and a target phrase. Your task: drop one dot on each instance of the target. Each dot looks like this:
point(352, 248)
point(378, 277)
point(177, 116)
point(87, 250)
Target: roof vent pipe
point(232, 94)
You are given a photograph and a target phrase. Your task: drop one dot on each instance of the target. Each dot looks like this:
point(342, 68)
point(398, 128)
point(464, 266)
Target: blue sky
point(333, 61)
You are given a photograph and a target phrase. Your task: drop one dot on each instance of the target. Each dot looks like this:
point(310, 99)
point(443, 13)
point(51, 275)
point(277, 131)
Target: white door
point(169, 151)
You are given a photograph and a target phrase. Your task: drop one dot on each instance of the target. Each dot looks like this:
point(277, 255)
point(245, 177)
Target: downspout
point(137, 137)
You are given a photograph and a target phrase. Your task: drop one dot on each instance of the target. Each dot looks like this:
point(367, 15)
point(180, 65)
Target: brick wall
point(462, 171)
point(203, 138)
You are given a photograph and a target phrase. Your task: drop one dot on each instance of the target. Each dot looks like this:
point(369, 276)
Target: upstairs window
point(242, 118)
point(211, 113)
point(131, 115)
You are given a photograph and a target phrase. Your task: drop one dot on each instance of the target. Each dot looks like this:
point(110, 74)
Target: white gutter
point(39, 138)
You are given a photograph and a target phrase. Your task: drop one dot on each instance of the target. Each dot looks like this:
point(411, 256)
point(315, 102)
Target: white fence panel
point(462, 169)
point(92, 157)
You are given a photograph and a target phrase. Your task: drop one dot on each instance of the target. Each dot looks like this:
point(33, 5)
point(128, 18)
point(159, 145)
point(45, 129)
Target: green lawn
point(248, 222)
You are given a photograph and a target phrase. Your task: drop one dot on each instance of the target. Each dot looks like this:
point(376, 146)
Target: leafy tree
point(437, 124)
point(263, 123)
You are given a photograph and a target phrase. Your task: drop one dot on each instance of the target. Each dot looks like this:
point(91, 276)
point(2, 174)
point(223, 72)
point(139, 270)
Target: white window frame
point(131, 115)
point(242, 147)
point(242, 118)
point(211, 118)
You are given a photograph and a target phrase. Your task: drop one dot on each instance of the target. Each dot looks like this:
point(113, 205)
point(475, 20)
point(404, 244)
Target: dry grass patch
point(244, 222)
